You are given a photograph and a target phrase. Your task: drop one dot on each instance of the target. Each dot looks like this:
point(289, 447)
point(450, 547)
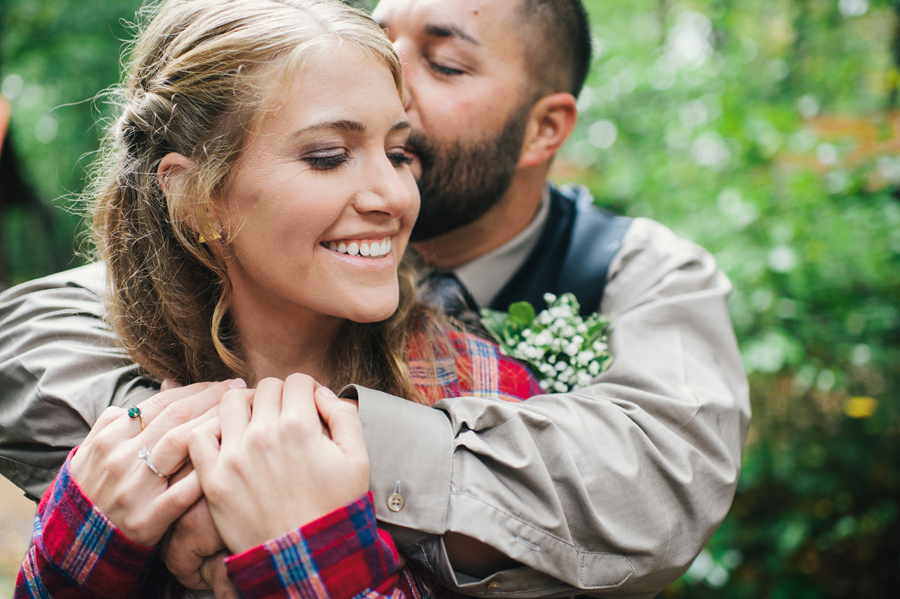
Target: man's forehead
point(453, 16)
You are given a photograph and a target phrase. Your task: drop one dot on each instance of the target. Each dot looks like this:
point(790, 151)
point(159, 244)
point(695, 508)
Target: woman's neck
point(276, 344)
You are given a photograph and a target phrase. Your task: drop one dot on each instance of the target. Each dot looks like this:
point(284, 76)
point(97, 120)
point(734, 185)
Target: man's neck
point(500, 224)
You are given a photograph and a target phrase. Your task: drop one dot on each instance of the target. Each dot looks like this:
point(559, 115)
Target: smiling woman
point(251, 210)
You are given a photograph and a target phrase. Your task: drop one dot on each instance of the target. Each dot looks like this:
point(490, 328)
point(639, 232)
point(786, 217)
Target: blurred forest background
point(765, 130)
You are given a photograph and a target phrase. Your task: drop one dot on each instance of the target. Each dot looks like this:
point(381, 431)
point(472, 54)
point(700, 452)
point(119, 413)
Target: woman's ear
point(171, 166)
point(550, 124)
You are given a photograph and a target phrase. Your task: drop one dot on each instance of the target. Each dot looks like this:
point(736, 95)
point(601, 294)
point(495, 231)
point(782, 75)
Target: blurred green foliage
point(765, 131)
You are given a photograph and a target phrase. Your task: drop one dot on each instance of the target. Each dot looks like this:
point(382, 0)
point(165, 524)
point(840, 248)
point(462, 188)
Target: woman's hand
point(107, 468)
point(278, 467)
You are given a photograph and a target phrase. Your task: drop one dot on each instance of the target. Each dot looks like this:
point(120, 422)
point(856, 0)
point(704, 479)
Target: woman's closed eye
point(399, 158)
point(324, 163)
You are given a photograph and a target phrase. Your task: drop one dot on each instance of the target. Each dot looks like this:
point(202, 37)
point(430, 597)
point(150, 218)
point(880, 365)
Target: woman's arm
point(283, 468)
point(77, 551)
point(98, 525)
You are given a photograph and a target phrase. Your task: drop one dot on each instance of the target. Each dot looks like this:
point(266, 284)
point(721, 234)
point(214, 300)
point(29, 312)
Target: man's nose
point(409, 72)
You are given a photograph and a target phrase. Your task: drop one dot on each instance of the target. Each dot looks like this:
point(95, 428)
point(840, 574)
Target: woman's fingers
point(298, 411)
point(267, 401)
point(109, 415)
point(234, 415)
point(170, 453)
point(203, 444)
point(176, 500)
point(177, 413)
point(342, 419)
point(154, 406)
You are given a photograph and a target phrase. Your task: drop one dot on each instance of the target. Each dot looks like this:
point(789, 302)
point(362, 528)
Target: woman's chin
point(371, 312)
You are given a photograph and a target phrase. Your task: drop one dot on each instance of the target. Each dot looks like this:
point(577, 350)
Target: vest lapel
point(539, 273)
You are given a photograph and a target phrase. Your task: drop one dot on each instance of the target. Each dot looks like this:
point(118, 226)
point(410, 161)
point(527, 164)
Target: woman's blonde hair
point(197, 85)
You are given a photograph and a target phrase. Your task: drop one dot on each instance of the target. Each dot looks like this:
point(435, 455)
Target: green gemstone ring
point(135, 412)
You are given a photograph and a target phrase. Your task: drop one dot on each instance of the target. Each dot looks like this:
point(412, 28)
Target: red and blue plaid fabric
point(477, 370)
point(78, 552)
point(336, 556)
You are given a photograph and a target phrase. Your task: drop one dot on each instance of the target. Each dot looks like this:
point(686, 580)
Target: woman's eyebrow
point(399, 126)
point(343, 125)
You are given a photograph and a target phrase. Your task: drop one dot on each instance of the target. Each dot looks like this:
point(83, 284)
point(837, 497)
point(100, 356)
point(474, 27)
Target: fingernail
point(237, 384)
point(328, 392)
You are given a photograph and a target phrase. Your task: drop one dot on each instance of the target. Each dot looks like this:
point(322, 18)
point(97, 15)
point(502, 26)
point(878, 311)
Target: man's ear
point(550, 124)
point(171, 166)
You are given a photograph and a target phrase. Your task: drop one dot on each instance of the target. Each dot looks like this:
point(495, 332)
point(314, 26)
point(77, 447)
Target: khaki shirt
point(611, 490)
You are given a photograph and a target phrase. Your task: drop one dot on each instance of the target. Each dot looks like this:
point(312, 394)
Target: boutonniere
point(565, 350)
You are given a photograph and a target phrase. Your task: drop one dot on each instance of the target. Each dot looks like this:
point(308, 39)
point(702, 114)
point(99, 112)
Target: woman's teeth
point(369, 249)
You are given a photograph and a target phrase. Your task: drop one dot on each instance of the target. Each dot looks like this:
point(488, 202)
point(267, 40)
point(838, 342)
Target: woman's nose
point(386, 192)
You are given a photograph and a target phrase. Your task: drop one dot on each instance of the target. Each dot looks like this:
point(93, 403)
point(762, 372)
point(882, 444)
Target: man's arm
point(612, 489)
point(60, 367)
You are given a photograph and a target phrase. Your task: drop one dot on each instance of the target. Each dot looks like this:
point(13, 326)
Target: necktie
point(443, 291)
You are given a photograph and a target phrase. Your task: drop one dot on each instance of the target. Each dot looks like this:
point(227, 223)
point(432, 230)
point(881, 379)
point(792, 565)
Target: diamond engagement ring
point(144, 456)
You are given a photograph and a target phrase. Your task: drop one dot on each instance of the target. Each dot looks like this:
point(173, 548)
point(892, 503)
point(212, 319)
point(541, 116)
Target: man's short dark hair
point(557, 39)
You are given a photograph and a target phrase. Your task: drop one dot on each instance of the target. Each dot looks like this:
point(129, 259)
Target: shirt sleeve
point(77, 552)
point(339, 556)
point(60, 367)
point(611, 490)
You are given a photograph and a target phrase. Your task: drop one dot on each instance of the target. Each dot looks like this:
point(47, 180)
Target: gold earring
point(209, 234)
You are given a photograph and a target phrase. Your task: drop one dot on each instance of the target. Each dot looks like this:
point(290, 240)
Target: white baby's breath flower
point(566, 350)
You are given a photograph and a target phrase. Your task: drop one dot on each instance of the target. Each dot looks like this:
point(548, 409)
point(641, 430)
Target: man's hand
point(192, 540)
point(215, 574)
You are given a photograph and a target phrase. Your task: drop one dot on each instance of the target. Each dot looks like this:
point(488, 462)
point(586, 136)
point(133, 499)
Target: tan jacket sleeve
point(60, 367)
point(611, 490)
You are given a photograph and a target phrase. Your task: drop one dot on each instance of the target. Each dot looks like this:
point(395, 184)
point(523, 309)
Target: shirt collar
point(485, 276)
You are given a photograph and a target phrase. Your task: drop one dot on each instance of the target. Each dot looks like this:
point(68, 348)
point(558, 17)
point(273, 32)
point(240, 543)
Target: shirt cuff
point(392, 428)
point(336, 556)
point(74, 535)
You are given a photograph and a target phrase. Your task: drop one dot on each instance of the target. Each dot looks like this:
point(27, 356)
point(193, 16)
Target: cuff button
point(494, 585)
point(395, 502)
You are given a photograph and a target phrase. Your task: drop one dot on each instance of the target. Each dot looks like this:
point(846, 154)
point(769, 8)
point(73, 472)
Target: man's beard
point(460, 183)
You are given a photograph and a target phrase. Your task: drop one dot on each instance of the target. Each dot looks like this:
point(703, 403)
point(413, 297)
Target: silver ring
point(144, 456)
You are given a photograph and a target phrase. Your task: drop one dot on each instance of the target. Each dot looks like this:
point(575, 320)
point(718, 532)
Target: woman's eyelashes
point(399, 158)
point(324, 163)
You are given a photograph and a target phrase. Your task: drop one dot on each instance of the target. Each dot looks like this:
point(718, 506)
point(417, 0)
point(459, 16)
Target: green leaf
point(522, 314)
